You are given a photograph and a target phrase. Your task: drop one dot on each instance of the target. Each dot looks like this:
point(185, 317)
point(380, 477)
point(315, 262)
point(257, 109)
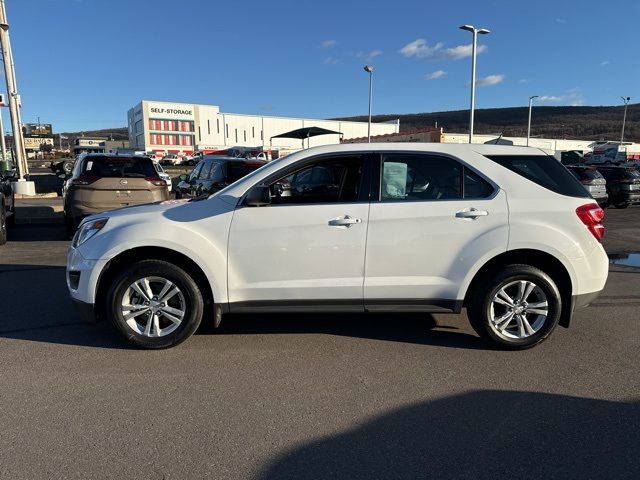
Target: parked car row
point(617, 185)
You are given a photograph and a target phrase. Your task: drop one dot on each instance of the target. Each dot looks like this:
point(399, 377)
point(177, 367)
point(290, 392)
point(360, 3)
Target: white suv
point(506, 232)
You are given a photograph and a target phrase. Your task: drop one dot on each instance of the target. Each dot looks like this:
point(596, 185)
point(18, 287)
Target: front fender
point(208, 251)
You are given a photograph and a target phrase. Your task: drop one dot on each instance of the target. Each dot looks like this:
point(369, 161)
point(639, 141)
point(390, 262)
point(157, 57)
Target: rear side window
point(237, 170)
point(119, 167)
point(429, 177)
point(543, 170)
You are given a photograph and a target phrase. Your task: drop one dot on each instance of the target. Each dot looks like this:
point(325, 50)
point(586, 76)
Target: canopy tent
point(307, 133)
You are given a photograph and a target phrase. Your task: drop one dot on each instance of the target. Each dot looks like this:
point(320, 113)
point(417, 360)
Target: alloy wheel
point(518, 310)
point(153, 306)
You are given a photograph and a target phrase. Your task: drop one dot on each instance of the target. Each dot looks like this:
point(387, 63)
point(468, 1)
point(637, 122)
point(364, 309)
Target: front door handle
point(472, 213)
point(345, 221)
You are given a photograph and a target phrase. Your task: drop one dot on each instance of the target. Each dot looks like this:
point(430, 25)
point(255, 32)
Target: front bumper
point(82, 276)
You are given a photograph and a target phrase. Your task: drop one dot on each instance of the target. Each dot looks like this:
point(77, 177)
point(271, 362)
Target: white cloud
point(373, 54)
point(420, 49)
point(560, 20)
point(328, 44)
point(330, 61)
point(549, 98)
point(490, 80)
point(604, 63)
point(523, 80)
point(435, 75)
point(573, 97)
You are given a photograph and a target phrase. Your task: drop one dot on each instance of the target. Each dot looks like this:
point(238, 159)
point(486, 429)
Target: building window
point(218, 124)
point(245, 135)
point(262, 135)
point(226, 127)
point(199, 134)
point(208, 127)
point(253, 132)
point(236, 135)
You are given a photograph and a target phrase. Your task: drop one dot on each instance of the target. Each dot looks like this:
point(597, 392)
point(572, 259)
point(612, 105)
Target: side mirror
point(183, 177)
point(258, 196)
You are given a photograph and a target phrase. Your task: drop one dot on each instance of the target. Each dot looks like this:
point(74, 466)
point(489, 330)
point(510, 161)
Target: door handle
point(345, 221)
point(472, 213)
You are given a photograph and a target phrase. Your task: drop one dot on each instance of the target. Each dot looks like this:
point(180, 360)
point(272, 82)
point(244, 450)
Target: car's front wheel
point(516, 307)
point(155, 304)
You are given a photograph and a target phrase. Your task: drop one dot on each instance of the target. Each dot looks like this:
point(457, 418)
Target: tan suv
point(102, 182)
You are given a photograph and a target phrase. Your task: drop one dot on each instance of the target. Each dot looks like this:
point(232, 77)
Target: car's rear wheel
point(516, 307)
point(155, 304)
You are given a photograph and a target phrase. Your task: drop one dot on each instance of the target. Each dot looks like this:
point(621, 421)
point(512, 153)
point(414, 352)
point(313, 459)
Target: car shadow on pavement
point(40, 309)
point(417, 328)
point(49, 232)
point(477, 435)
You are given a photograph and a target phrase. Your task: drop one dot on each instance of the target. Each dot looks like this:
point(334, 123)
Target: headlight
point(88, 230)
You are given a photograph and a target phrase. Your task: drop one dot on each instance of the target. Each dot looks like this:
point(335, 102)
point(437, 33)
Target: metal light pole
point(529, 123)
point(624, 118)
point(475, 31)
point(369, 70)
point(12, 91)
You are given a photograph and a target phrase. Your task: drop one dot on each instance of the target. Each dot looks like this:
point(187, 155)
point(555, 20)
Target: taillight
point(591, 215)
point(84, 180)
point(157, 181)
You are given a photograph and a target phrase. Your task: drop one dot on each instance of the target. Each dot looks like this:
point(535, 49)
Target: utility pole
point(369, 70)
point(529, 122)
point(474, 42)
point(14, 107)
point(3, 146)
point(624, 119)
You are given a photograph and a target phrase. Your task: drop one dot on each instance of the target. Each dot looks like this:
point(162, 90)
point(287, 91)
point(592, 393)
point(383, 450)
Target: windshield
point(118, 167)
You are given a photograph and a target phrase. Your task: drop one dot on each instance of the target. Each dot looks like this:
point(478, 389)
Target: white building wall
point(545, 143)
point(215, 130)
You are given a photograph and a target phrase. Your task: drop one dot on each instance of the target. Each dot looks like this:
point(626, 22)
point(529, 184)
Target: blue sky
point(81, 64)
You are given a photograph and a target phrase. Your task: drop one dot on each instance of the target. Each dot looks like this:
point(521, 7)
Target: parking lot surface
point(313, 396)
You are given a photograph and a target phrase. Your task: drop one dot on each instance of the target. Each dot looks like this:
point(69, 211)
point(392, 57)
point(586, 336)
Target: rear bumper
point(584, 300)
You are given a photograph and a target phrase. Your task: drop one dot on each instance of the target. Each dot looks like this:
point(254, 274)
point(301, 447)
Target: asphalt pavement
point(313, 396)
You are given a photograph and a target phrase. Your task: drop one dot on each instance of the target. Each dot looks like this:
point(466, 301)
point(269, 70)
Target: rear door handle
point(345, 221)
point(472, 213)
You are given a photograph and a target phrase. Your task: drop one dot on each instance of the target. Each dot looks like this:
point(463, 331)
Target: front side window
point(206, 169)
point(326, 181)
point(420, 177)
point(196, 171)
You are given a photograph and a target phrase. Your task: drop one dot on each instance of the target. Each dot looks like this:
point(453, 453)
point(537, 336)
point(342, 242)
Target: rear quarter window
point(545, 171)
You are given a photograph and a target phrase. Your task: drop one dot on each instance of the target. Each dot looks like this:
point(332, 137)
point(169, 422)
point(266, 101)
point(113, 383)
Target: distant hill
point(591, 123)
point(119, 133)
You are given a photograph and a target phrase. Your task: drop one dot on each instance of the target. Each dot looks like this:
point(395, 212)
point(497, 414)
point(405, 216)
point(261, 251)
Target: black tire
point(621, 205)
point(70, 224)
point(11, 220)
point(478, 308)
point(193, 302)
point(178, 195)
point(3, 225)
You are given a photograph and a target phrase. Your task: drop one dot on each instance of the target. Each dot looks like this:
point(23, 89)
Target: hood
point(145, 209)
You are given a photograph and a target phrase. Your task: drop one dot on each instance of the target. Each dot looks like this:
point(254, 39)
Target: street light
point(369, 70)
point(624, 118)
point(529, 123)
point(475, 31)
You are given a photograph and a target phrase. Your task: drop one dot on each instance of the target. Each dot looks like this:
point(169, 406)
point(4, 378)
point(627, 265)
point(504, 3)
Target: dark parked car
point(213, 173)
point(593, 182)
point(623, 185)
point(7, 204)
